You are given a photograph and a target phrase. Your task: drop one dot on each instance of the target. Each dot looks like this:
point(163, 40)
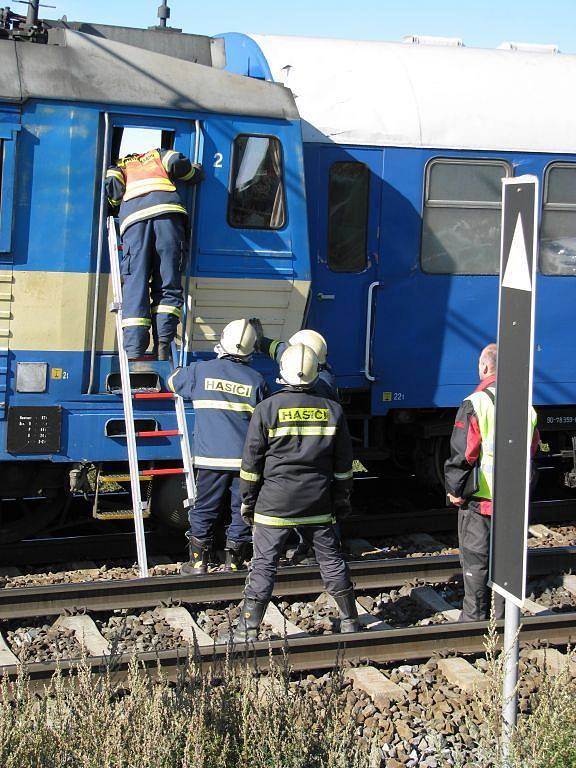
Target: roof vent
point(528, 47)
point(432, 40)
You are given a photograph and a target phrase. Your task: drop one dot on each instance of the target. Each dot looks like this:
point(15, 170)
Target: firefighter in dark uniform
point(472, 445)
point(153, 231)
point(296, 471)
point(274, 348)
point(224, 393)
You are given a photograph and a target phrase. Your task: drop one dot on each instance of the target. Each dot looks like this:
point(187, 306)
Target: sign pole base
point(510, 692)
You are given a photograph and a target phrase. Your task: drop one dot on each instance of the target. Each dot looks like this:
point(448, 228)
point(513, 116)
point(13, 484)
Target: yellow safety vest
point(486, 414)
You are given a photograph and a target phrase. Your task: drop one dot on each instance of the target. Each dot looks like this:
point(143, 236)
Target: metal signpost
point(513, 438)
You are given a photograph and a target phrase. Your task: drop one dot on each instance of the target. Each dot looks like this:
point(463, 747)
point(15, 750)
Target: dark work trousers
point(474, 543)
point(153, 254)
point(212, 486)
point(268, 543)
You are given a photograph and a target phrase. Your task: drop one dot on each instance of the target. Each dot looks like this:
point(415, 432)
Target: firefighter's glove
point(257, 325)
point(247, 514)
point(342, 509)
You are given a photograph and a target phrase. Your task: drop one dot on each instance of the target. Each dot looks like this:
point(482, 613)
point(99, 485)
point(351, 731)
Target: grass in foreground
point(227, 719)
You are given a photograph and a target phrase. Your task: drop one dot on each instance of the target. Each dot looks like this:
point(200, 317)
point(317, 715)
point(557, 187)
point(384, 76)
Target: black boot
point(235, 551)
point(164, 350)
point(200, 551)
point(348, 612)
point(250, 619)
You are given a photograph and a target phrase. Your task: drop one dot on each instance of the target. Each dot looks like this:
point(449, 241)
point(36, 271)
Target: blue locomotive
point(405, 146)
point(70, 103)
point(366, 206)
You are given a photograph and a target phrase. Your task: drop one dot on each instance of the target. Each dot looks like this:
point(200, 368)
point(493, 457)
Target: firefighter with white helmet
point(326, 383)
point(224, 392)
point(296, 472)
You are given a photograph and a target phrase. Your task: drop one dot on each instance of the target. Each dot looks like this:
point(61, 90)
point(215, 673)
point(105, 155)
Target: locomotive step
point(118, 514)
point(144, 474)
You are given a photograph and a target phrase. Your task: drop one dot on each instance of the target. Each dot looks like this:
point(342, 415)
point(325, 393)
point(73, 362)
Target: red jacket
point(465, 445)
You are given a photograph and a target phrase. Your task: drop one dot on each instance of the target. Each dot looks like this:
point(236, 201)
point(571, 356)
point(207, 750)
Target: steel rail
point(53, 599)
point(320, 652)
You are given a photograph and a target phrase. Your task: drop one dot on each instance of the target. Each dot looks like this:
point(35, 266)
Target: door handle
point(368, 341)
point(325, 296)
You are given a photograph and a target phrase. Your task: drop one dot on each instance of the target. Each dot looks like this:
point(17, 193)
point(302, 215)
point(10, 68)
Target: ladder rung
point(153, 396)
point(158, 433)
point(153, 472)
point(119, 478)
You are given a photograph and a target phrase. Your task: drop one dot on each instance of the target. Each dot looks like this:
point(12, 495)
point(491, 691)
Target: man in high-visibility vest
point(472, 446)
point(153, 231)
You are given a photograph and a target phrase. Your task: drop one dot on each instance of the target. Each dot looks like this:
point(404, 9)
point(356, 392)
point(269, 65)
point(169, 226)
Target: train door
point(344, 189)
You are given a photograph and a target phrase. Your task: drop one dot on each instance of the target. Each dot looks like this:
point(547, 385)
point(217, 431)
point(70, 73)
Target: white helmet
point(314, 340)
point(299, 366)
point(238, 338)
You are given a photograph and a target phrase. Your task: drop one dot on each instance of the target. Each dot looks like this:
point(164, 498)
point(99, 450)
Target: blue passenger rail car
point(67, 108)
point(405, 146)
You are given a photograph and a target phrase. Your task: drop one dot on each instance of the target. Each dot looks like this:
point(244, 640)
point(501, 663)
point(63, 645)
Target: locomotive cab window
point(558, 228)
point(348, 202)
point(461, 219)
point(256, 198)
point(128, 140)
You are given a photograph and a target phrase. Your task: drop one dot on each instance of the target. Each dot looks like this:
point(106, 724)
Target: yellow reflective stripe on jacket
point(301, 430)
point(343, 475)
point(129, 322)
point(113, 173)
point(143, 186)
point(224, 463)
point(166, 159)
point(293, 522)
point(166, 309)
point(273, 348)
point(149, 213)
point(170, 380)
point(188, 175)
point(114, 202)
point(223, 405)
point(252, 477)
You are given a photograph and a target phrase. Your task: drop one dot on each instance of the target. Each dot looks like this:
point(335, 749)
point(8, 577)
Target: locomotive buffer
point(513, 439)
point(139, 507)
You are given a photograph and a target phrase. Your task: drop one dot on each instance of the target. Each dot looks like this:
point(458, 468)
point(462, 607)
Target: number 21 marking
point(218, 160)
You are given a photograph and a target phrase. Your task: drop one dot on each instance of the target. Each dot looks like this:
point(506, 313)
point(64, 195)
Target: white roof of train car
point(439, 96)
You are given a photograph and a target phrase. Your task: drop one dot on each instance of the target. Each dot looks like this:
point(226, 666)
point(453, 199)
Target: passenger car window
point(558, 228)
point(256, 198)
point(348, 201)
point(461, 220)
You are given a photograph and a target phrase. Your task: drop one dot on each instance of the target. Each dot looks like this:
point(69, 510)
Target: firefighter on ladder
point(296, 472)
point(224, 392)
point(153, 231)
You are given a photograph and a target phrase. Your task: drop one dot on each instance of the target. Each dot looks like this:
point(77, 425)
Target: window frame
point(231, 181)
point(367, 222)
point(461, 204)
point(546, 206)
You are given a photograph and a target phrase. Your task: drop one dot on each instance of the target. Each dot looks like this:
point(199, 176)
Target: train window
point(256, 199)
point(461, 221)
point(127, 140)
point(348, 202)
point(558, 228)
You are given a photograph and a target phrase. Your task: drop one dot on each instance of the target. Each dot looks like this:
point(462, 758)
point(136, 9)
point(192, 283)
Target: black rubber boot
point(346, 603)
point(200, 551)
point(250, 619)
point(164, 350)
point(235, 551)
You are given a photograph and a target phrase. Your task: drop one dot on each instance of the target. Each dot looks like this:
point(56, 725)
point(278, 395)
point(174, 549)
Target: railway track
point(53, 599)
point(377, 642)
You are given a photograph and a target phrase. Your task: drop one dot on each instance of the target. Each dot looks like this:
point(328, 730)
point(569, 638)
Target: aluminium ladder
point(139, 506)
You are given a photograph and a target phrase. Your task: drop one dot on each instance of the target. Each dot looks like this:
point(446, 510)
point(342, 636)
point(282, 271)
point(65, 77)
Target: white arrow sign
point(517, 273)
